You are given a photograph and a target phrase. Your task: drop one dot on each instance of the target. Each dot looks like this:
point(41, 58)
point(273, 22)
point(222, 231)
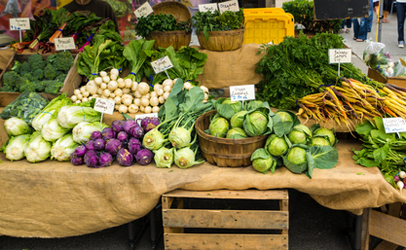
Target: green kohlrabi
point(164, 157)
point(153, 139)
point(52, 131)
point(15, 147)
point(51, 110)
point(37, 148)
point(63, 148)
point(15, 126)
point(262, 161)
point(181, 137)
point(185, 158)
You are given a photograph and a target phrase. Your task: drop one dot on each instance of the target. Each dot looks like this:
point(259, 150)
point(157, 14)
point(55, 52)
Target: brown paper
point(57, 199)
point(229, 68)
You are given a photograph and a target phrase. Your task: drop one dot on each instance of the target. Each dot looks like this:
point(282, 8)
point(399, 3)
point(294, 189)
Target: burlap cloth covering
point(57, 199)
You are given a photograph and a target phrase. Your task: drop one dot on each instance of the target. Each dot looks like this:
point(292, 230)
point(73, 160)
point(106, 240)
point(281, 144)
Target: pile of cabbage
point(296, 147)
point(121, 142)
point(54, 133)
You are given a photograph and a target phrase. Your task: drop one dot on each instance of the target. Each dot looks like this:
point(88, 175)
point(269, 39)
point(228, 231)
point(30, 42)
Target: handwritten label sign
point(394, 125)
point(161, 64)
point(208, 7)
point(143, 10)
point(140, 117)
point(20, 24)
point(187, 3)
point(65, 43)
point(105, 106)
point(229, 5)
point(339, 55)
point(242, 93)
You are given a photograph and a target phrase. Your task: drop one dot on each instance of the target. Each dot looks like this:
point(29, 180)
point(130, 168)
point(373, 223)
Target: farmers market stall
point(55, 199)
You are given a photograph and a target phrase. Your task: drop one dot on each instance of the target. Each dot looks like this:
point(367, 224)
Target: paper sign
point(65, 43)
point(229, 5)
point(143, 10)
point(161, 64)
point(394, 125)
point(20, 24)
point(340, 55)
point(105, 106)
point(187, 3)
point(153, 115)
point(208, 7)
point(242, 93)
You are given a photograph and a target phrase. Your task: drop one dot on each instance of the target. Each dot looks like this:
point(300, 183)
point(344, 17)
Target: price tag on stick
point(229, 5)
point(242, 93)
point(65, 43)
point(20, 24)
point(394, 125)
point(143, 10)
point(104, 106)
point(208, 7)
point(162, 64)
point(339, 56)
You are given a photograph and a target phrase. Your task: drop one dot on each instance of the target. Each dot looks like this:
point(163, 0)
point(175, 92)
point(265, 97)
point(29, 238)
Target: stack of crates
point(267, 25)
point(264, 229)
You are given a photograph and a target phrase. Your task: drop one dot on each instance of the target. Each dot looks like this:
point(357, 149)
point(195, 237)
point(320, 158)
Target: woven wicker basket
point(222, 40)
point(177, 38)
point(225, 152)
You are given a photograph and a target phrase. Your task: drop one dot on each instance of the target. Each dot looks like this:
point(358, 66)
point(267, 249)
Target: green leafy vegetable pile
point(37, 74)
point(160, 22)
point(216, 21)
point(379, 149)
point(300, 66)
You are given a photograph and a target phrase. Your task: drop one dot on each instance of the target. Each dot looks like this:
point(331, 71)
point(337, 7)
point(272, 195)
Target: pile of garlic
point(130, 97)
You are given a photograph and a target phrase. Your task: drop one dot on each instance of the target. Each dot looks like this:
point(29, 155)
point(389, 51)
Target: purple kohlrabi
point(148, 123)
point(144, 156)
point(117, 125)
point(136, 131)
point(108, 133)
point(99, 144)
point(113, 146)
point(124, 157)
point(95, 135)
point(128, 124)
point(122, 136)
point(134, 145)
point(76, 159)
point(91, 159)
point(80, 150)
point(105, 159)
point(90, 145)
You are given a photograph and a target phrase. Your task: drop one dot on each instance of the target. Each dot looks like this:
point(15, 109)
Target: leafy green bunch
point(160, 22)
point(216, 21)
point(303, 12)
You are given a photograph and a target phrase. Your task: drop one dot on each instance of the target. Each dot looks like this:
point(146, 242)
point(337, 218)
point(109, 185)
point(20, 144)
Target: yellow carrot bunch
point(354, 100)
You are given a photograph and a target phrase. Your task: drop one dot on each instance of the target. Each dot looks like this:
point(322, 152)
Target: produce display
point(160, 22)
point(38, 74)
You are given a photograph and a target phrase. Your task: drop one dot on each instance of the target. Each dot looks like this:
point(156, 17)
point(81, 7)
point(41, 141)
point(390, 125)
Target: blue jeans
point(360, 28)
point(400, 12)
point(371, 15)
point(346, 22)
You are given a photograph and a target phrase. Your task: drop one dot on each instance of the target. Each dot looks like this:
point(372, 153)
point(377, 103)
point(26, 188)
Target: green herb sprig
point(160, 22)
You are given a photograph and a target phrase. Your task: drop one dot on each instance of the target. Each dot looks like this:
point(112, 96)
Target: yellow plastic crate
point(265, 25)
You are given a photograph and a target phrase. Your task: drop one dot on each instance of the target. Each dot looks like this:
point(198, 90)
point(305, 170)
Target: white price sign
point(394, 125)
point(161, 64)
point(143, 10)
point(65, 43)
point(104, 106)
point(340, 55)
point(229, 5)
point(20, 24)
point(140, 117)
point(242, 93)
point(208, 7)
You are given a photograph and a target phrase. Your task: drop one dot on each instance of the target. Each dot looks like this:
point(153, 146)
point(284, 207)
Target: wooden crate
point(387, 225)
point(175, 220)
point(398, 81)
point(72, 80)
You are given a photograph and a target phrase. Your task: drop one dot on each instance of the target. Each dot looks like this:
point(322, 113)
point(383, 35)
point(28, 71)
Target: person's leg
point(363, 29)
point(371, 16)
point(400, 13)
point(356, 27)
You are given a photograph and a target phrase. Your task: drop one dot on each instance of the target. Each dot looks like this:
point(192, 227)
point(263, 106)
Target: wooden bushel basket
point(176, 38)
point(222, 40)
point(225, 152)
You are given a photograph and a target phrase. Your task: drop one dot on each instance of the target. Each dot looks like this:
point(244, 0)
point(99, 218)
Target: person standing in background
point(98, 7)
point(386, 8)
point(364, 25)
point(346, 25)
point(400, 13)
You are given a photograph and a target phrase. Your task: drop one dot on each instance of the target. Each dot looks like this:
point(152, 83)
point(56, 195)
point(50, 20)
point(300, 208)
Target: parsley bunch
point(160, 22)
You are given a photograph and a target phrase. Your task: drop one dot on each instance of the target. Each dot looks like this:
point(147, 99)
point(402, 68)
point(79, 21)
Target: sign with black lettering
point(242, 93)
point(208, 7)
point(162, 64)
point(104, 106)
point(229, 5)
point(340, 55)
point(64, 43)
point(20, 24)
point(143, 10)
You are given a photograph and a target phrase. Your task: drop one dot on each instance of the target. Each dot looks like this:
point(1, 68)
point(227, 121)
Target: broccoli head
point(7, 89)
point(29, 77)
point(26, 85)
point(52, 86)
point(38, 74)
point(16, 67)
point(61, 77)
point(38, 65)
point(63, 61)
point(10, 79)
point(50, 72)
point(39, 86)
point(25, 68)
point(34, 59)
